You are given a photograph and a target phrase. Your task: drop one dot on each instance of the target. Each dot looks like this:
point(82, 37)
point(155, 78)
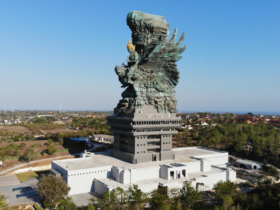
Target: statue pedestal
point(143, 136)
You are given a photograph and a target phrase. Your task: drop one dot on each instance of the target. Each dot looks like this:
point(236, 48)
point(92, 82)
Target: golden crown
point(130, 46)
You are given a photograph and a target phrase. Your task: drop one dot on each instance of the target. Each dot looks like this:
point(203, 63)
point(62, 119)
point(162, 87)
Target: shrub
point(29, 154)
point(51, 149)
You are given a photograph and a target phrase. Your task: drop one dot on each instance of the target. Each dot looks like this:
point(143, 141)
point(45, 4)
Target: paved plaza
point(9, 182)
point(82, 199)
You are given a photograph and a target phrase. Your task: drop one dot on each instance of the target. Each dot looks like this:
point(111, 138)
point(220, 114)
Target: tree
point(108, 201)
point(137, 199)
point(22, 145)
point(52, 188)
point(51, 149)
point(90, 207)
point(3, 204)
point(29, 154)
point(67, 204)
point(40, 121)
point(189, 195)
point(159, 200)
point(225, 188)
point(50, 141)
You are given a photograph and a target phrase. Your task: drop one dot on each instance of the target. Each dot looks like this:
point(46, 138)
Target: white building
point(101, 172)
point(102, 137)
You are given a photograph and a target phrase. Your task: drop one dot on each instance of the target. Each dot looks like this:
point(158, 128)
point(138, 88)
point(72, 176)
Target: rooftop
point(182, 155)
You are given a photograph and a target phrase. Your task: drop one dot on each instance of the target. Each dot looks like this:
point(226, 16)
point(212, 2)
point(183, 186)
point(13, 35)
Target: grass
point(32, 174)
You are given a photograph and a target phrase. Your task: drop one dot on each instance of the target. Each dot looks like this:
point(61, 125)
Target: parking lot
point(8, 183)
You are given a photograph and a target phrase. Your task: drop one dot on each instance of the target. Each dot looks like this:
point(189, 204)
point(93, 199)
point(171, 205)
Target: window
point(137, 145)
point(137, 152)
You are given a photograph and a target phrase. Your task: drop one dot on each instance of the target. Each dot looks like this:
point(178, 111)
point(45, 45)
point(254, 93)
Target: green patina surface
point(151, 73)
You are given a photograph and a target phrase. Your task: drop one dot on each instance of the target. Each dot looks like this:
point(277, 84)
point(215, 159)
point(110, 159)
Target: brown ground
point(15, 130)
point(45, 162)
point(60, 130)
point(23, 206)
point(11, 163)
point(42, 144)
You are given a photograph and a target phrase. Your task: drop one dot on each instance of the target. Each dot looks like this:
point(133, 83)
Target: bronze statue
point(151, 73)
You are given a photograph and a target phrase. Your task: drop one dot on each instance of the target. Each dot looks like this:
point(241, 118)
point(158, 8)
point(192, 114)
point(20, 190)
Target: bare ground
point(15, 130)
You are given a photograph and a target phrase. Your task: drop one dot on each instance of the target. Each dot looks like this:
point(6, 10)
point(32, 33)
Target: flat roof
point(96, 160)
point(247, 162)
point(111, 182)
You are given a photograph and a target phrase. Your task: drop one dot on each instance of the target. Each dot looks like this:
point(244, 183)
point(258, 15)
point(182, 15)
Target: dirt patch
point(44, 162)
point(60, 130)
point(22, 206)
point(15, 130)
point(42, 145)
point(12, 163)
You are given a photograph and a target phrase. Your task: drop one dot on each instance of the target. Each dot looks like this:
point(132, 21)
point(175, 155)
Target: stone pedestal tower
point(143, 136)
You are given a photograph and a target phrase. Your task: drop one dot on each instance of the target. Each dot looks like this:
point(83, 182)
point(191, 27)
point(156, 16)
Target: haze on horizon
point(66, 51)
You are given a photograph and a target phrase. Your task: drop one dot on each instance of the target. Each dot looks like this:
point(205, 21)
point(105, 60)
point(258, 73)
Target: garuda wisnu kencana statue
point(151, 73)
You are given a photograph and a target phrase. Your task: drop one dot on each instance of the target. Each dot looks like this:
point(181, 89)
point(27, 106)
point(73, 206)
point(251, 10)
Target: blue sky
point(66, 50)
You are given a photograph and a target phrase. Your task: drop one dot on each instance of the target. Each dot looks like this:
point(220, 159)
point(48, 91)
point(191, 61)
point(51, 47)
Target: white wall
point(81, 181)
point(211, 179)
point(215, 159)
point(99, 187)
point(144, 173)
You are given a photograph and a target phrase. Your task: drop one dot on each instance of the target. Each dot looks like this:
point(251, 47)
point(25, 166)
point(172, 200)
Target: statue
point(151, 73)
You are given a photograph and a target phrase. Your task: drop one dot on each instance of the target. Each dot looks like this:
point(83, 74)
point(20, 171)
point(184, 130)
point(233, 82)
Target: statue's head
point(130, 47)
point(146, 27)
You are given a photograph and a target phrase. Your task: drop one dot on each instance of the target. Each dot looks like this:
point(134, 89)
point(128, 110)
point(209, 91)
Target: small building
point(251, 165)
point(102, 137)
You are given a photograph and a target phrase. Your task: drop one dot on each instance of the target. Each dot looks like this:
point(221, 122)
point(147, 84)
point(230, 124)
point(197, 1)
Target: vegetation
point(51, 149)
point(52, 188)
point(31, 174)
point(9, 151)
point(29, 155)
point(3, 204)
point(259, 142)
point(67, 204)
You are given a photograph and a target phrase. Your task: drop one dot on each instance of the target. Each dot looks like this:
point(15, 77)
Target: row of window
point(141, 152)
point(166, 142)
point(166, 149)
point(93, 172)
point(155, 122)
point(153, 130)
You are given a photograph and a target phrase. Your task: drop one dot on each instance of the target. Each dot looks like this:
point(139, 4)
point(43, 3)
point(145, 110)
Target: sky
point(66, 50)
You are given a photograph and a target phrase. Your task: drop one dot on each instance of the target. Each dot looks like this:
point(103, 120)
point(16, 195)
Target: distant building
point(102, 137)
point(7, 122)
point(251, 165)
point(261, 115)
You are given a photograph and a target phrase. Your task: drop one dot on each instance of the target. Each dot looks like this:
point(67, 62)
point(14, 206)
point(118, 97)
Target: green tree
point(67, 204)
point(51, 149)
point(225, 188)
point(159, 200)
point(109, 201)
point(90, 207)
point(40, 121)
point(50, 141)
point(29, 154)
point(22, 145)
point(52, 188)
point(3, 204)
point(189, 196)
point(136, 199)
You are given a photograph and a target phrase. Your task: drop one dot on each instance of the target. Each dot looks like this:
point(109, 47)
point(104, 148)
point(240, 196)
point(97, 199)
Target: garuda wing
point(164, 56)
